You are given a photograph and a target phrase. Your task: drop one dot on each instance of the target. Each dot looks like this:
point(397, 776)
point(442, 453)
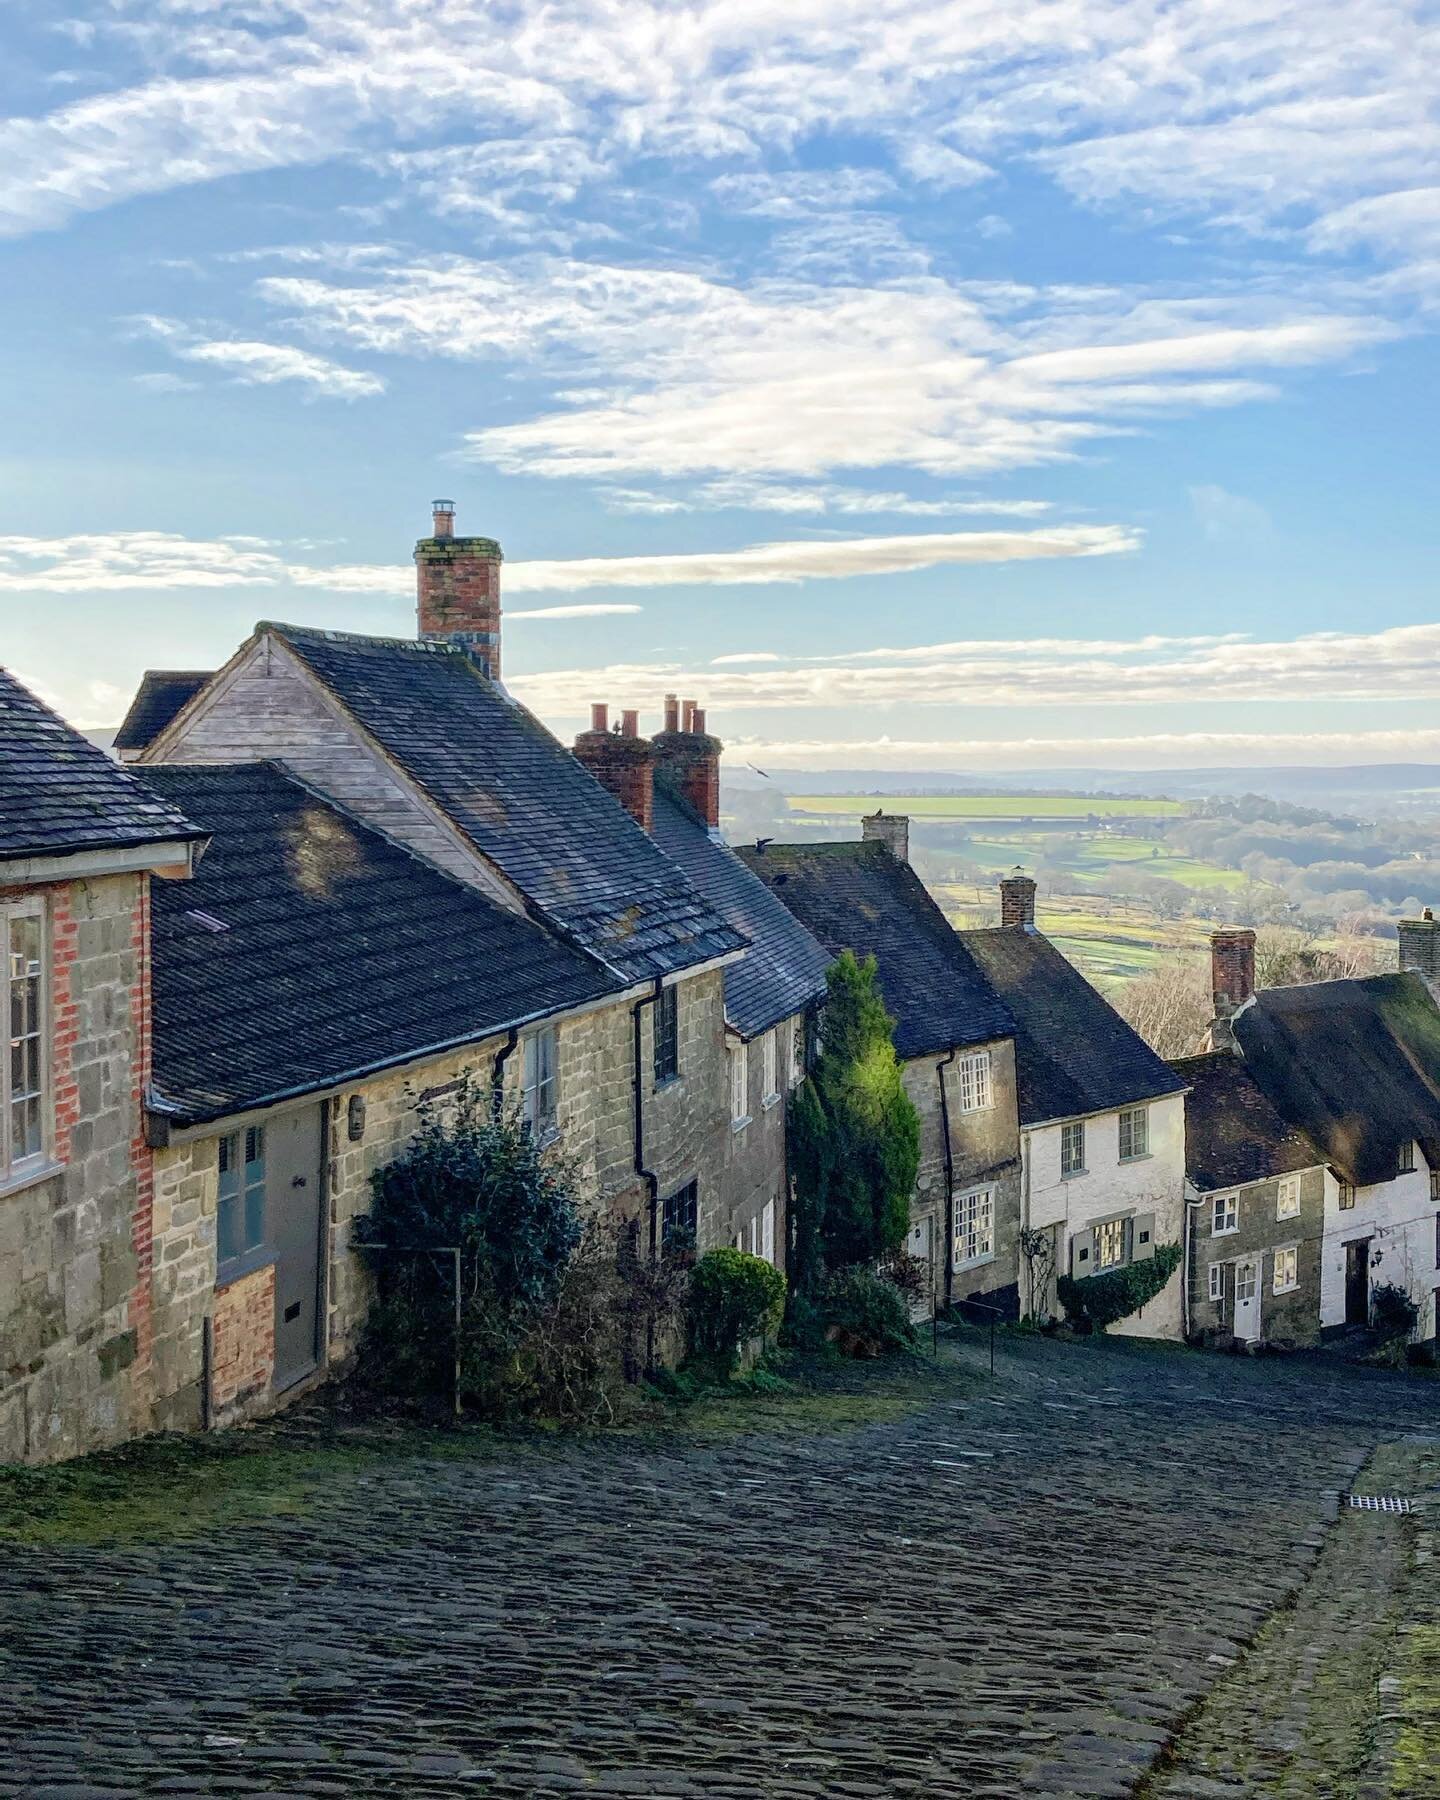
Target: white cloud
point(1227, 517)
point(823, 560)
point(691, 376)
point(937, 165)
point(1399, 663)
point(749, 495)
point(793, 193)
point(743, 656)
point(602, 611)
point(255, 364)
point(116, 562)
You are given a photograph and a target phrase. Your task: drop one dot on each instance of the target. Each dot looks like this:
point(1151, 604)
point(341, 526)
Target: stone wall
point(1292, 1317)
point(755, 1170)
point(75, 1245)
point(984, 1152)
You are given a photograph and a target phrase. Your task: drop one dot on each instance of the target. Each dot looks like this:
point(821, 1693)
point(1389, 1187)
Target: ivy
point(1100, 1300)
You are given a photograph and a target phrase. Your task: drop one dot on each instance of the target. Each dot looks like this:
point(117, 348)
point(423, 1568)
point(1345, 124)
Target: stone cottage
point(80, 842)
point(1352, 1069)
point(671, 784)
point(954, 1035)
point(1102, 1120)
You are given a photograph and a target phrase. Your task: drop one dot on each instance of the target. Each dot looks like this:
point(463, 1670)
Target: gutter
point(940, 1068)
point(1190, 1205)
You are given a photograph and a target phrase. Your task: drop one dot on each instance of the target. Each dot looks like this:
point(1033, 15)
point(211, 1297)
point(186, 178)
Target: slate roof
point(783, 971)
point(857, 896)
point(1355, 1065)
point(61, 794)
point(309, 947)
point(161, 694)
point(521, 798)
point(1234, 1134)
point(1074, 1054)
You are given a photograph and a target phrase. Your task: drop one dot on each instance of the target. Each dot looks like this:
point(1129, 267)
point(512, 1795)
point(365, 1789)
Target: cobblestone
point(881, 1611)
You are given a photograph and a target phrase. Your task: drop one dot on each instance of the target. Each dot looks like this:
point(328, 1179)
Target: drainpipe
point(648, 1176)
point(1188, 1208)
point(940, 1069)
point(1024, 1210)
point(497, 1072)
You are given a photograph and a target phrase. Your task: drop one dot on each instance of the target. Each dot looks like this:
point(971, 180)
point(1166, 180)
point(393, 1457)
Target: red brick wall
point(623, 765)
point(242, 1346)
point(459, 594)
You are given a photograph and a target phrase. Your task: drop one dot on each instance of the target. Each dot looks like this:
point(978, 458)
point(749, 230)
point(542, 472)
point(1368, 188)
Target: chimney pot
point(672, 712)
point(697, 720)
point(599, 715)
point(890, 829)
point(687, 715)
point(622, 762)
point(1017, 900)
point(442, 513)
point(629, 724)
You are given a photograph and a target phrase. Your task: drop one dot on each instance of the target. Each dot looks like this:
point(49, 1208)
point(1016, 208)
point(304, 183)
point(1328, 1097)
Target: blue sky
point(921, 385)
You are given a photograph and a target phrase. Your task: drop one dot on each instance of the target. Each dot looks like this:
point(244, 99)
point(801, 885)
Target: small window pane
point(1110, 1243)
point(1072, 1149)
point(1217, 1281)
point(667, 1035)
point(1287, 1199)
point(1134, 1133)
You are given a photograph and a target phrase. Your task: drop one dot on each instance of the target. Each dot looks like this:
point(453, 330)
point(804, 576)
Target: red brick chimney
point(1017, 900)
point(620, 761)
point(1232, 981)
point(459, 589)
point(689, 760)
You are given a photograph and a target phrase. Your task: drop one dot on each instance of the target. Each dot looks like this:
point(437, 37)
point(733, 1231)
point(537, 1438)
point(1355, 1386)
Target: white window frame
point(770, 1066)
point(974, 1241)
point(1291, 1255)
point(1130, 1115)
point(1110, 1233)
point(16, 1169)
point(739, 1086)
point(1225, 1215)
point(767, 1231)
point(974, 1082)
point(1217, 1282)
point(540, 1081)
point(1287, 1197)
point(1074, 1132)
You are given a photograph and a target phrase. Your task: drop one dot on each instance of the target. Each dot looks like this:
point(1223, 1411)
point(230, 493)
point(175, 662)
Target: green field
point(1094, 855)
point(1110, 940)
point(984, 806)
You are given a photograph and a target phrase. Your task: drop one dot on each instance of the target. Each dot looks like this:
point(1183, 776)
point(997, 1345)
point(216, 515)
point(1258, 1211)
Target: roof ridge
point(427, 646)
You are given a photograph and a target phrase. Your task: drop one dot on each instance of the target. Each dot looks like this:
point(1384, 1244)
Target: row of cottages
point(1313, 1157)
point(394, 880)
point(1047, 1125)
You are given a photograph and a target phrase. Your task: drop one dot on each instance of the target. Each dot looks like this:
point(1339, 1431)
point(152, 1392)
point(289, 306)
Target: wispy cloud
point(819, 497)
point(256, 364)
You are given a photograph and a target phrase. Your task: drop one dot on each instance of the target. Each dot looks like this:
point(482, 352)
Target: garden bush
point(733, 1297)
point(864, 1314)
point(1392, 1312)
point(1095, 1301)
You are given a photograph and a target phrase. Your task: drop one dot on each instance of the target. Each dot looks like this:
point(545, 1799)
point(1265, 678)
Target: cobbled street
point(1020, 1586)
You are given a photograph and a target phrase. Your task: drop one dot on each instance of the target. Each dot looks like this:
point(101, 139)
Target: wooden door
point(1357, 1282)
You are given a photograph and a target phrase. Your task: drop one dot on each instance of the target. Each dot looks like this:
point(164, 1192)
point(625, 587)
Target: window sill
point(17, 1183)
point(1144, 1156)
point(227, 1274)
point(1072, 1174)
point(664, 1085)
point(769, 1101)
point(1225, 1231)
point(738, 1125)
point(975, 1262)
point(1294, 1288)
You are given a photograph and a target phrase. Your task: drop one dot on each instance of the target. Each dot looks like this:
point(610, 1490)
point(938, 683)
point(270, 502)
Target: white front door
point(1247, 1300)
point(918, 1245)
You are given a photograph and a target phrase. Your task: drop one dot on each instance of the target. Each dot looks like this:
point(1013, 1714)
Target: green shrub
point(733, 1297)
point(1101, 1300)
point(864, 1314)
point(1392, 1312)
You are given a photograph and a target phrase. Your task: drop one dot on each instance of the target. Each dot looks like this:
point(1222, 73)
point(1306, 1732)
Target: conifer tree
point(854, 1135)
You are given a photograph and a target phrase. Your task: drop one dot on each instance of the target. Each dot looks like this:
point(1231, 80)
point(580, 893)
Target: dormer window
point(1405, 1158)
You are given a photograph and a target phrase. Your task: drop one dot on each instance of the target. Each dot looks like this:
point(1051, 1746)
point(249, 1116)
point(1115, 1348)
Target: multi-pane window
point(973, 1077)
point(1226, 1216)
point(1110, 1243)
point(541, 1081)
point(1134, 1133)
point(1287, 1270)
point(1346, 1195)
point(22, 1081)
point(1246, 1281)
point(680, 1217)
point(739, 1084)
point(1072, 1148)
point(1287, 1197)
point(1217, 1281)
point(240, 1207)
point(767, 1231)
point(1405, 1158)
point(770, 1065)
point(667, 1035)
point(974, 1227)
